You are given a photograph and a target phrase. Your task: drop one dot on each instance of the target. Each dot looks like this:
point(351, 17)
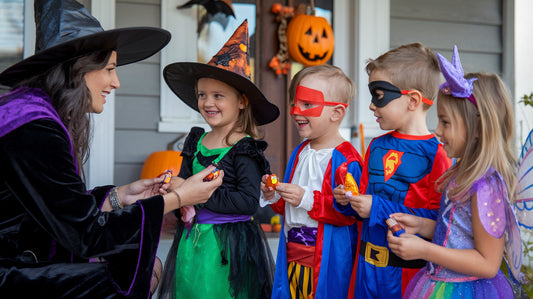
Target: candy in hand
point(395, 227)
point(350, 185)
point(272, 181)
point(213, 175)
point(167, 176)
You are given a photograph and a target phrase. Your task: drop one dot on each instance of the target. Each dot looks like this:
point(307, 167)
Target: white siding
point(137, 100)
point(475, 26)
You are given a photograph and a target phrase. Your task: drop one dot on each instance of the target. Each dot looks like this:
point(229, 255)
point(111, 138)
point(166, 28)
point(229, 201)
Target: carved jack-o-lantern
point(310, 39)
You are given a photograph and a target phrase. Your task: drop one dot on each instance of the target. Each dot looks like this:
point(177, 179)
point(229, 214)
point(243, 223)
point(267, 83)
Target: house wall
point(475, 26)
point(137, 100)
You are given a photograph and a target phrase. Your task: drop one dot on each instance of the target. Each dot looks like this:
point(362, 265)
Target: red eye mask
point(310, 102)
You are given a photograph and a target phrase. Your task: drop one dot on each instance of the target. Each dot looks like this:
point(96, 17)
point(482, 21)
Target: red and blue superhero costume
point(399, 172)
point(336, 237)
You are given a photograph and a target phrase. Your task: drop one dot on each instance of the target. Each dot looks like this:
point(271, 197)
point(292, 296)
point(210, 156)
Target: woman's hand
point(175, 182)
point(144, 188)
point(193, 190)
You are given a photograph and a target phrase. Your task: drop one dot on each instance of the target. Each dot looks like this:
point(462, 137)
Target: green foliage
point(527, 99)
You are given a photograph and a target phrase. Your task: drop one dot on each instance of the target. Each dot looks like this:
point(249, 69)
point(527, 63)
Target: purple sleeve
point(491, 199)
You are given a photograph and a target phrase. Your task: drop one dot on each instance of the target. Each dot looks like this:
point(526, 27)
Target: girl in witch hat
point(50, 225)
point(218, 250)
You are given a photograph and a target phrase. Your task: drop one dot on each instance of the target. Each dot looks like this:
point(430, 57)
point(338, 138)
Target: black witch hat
point(66, 30)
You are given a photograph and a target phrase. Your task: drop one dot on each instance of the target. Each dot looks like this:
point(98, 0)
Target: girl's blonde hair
point(246, 122)
point(489, 135)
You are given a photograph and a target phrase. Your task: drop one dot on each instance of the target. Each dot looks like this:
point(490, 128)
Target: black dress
point(50, 225)
point(241, 243)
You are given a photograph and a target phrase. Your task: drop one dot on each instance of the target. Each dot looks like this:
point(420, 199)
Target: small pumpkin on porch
point(310, 39)
point(160, 161)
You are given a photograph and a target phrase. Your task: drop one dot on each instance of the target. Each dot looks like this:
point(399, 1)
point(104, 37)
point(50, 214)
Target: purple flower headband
point(456, 84)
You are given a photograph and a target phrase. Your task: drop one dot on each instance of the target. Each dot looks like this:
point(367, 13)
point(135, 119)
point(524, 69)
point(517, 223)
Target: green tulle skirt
point(202, 272)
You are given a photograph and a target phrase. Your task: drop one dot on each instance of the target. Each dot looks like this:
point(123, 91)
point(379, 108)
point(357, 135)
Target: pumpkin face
point(310, 40)
point(158, 162)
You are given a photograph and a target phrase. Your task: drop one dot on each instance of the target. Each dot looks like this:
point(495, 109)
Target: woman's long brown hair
point(65, 85)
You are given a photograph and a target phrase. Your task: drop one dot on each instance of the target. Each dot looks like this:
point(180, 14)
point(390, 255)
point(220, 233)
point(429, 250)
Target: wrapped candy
point(350, 184)
point(272, 181)
point(167, 176)
point(213, 175)
point(395, 227)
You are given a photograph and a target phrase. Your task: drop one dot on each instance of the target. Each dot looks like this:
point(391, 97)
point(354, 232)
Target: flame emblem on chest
point(391, 162)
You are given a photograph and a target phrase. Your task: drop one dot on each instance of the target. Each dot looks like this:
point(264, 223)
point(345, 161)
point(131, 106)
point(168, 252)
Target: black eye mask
point(390, 92)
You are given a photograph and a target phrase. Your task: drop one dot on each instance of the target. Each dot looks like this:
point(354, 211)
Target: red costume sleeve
point(324, 211)
point(279, 206)
point(440, 165)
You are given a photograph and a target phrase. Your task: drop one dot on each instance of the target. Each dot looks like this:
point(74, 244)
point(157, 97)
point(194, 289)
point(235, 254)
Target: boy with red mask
point(317, 243)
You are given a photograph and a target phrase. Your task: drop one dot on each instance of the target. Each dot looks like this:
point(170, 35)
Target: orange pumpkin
point(158, 162)
point(310, 39)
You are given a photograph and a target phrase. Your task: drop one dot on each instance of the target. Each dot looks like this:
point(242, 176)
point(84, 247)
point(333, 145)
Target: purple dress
point(454, 230)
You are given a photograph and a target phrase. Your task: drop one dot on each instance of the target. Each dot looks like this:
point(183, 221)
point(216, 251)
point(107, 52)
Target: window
point(11, 32)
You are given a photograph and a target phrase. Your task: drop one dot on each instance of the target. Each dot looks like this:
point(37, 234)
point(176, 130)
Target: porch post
point(99, 169)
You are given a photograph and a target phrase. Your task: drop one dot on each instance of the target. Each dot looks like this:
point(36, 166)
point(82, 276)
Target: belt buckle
point(376, 255)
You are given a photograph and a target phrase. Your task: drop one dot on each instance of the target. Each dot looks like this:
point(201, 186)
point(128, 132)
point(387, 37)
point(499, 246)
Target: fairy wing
point(526, 147)
point(524, 212)
point(524, 202)
point(513, 241)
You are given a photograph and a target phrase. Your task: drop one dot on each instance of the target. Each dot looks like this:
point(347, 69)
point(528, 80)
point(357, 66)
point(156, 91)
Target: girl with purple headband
point(476, 224)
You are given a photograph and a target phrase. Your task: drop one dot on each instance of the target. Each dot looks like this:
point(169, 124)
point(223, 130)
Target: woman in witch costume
point(218, 250)
point(50, 225)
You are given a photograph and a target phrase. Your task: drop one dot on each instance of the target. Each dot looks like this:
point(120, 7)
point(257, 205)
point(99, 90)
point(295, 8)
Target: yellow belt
point(380, 256)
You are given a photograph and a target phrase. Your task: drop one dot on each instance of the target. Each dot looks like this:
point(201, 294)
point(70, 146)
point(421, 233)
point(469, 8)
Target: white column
point(100, 166)
point(373, 39)
point(362, 30)
point(523, 66)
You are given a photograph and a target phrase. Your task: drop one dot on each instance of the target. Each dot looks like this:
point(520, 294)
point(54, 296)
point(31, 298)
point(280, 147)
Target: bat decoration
point(212, 6)
point(217, 11)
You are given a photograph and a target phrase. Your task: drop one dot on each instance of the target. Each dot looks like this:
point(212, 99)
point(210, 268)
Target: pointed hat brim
point(131, 44)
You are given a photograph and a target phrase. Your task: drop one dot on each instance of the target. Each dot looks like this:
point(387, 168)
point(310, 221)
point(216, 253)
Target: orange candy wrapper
point(350, 185)
point(167, 177)
point(272, 181)
point(213, 175)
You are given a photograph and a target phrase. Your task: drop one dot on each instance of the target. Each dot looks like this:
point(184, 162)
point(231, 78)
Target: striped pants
point(300, 280)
